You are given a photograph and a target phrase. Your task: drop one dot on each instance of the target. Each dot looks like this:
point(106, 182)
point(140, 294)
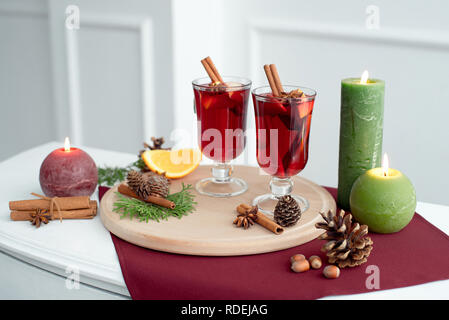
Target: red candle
point(68, 172)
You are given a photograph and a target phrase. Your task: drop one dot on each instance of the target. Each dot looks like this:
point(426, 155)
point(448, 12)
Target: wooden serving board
point(210, 230)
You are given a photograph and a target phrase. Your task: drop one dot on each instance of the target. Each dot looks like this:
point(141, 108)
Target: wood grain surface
point(209, 230)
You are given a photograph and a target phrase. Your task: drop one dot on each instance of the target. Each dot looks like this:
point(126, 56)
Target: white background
point(126, 74)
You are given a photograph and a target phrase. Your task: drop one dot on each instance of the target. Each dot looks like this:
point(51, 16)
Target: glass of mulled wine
point(221, 111)
point(282, 131)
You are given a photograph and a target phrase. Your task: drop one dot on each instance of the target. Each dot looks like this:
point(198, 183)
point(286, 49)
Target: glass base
point(267, 203)
point(216, 188)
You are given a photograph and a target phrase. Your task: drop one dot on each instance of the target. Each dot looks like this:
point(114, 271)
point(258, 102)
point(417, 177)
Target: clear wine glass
point(283, 131)
point(221, 117)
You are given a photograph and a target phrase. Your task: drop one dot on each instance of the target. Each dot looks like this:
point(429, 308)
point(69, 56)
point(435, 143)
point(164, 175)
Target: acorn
point(315, 262)
point(300, 266)
point(297, 257)
point(331, 272)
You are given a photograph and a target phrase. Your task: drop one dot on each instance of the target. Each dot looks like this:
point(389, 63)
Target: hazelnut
point(315, 262)
point(331, 272)
point(297, 257)
point(300, 266)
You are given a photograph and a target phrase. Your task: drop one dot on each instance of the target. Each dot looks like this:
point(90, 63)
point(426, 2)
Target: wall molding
point(432, 39)
point(427, 39)
point(413, 38)
point(142, 25)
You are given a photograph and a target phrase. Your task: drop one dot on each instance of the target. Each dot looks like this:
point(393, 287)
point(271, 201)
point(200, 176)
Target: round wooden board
point(209, 230)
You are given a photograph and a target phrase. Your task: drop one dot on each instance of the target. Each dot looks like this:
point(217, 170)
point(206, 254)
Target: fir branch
point(134, 208)
point(111, 175)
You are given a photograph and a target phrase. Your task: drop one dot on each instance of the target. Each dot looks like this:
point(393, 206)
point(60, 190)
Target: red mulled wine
point(221, 113)
point(283, 127)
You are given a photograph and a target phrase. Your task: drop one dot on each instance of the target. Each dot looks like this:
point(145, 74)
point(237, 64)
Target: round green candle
point(383, 199)
point(361, 129)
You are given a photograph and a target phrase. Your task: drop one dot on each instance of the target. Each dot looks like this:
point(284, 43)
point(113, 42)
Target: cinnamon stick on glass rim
point(271, 82)
point(277, 80)
point(276, 86)
point(209, 71)
point(212, 71)
point(273, 79)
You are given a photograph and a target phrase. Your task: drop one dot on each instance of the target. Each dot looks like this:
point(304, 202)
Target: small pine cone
point(158, 184)
point(148, 184)
point(287, 211)
point(136, 181)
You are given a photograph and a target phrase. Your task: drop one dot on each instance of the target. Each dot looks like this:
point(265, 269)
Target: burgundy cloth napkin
point(415, 255)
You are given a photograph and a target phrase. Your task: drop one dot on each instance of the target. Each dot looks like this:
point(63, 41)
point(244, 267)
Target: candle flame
point(385, 165)
point(364, 77)
point(66, 144)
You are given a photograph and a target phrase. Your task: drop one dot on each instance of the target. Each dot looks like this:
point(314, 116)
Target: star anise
point(247, 218)
point(40, 216)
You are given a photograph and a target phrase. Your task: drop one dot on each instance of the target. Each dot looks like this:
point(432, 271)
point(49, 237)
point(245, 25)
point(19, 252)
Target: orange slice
point(174, 163)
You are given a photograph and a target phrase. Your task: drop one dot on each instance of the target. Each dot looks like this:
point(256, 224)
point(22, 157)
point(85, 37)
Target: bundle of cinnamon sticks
point(58, 208)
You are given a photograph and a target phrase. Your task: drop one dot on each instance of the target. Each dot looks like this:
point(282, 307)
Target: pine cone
point(346, 244)
point(148, 184)
point(137, 183)
point(287, 211)
point(159, 184)
point(157, 143)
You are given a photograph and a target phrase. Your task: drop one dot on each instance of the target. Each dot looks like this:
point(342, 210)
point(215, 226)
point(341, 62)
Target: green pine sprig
point(134, 208)
point(109, 176)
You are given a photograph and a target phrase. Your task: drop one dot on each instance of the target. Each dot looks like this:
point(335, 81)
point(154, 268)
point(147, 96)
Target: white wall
point(131, 64)
point(113, 77)
point(26, 106)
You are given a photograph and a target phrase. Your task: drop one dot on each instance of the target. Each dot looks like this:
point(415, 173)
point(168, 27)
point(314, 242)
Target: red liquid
point(292, 120)
point(221, 122)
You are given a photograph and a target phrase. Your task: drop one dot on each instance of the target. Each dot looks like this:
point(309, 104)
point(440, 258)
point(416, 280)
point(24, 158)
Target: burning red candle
point(68, 172)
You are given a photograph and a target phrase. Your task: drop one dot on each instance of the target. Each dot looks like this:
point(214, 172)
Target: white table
point(35, 263)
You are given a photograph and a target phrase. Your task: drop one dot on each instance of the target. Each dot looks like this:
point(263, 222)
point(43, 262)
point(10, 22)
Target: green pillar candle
point(386, 203)
point(361, 127)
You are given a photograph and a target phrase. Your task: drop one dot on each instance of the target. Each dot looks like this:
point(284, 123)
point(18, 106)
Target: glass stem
point(281, 187)
point(222, 172)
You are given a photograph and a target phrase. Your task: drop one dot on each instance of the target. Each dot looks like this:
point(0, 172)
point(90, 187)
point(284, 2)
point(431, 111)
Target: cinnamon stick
point(209, 71)
point(270, 78)
point(127, 191)
point(262, 219)
point(65, 203)
point(212, 71)
point(69, 214)
point(276, 78)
